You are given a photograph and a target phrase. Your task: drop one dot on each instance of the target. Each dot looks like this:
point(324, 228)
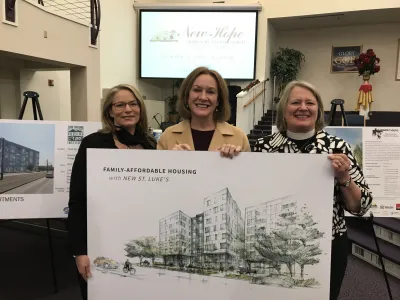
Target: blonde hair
point(108, 121)
point(283, 102)
point(223, 112)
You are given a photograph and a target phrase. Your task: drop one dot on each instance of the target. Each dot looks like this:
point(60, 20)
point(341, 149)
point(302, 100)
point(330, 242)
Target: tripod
point(335, 103)
point(371, 219)
point(37, 111)
point(35, 105)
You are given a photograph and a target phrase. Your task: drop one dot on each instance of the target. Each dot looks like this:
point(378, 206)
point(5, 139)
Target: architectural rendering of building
point(15, 158)
point(264, 217)
point(197, 240)
point(223, 221)
point(216, 237)
point(175, 238)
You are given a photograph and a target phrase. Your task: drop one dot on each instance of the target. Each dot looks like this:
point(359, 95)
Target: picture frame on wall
point(398, 61)
point(342, 59)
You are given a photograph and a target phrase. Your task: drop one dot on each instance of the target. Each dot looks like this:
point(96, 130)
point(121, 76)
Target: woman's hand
point(83, 265)
point(181, 147)
point(230, 151)
point(341, 166)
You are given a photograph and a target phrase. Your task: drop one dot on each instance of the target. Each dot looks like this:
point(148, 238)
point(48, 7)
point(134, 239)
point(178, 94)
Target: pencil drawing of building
point(265, 216)
point(175, 238)
point(197, 243)
point(218, 237)
point(223, 222)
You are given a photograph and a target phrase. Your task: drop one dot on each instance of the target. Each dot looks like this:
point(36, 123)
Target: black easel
point(378, 250)
point(334, 104)
point(36, 110)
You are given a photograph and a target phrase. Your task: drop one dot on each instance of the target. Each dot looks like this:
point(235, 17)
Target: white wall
point(55, 101)
point(317, 45)
point(9, 93)
point(67, 43)
point(153, 107)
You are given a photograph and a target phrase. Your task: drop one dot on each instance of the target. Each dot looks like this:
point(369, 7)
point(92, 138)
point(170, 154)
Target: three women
point(203, 104)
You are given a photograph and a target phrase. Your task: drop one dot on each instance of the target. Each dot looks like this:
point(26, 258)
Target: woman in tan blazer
point(203, 104)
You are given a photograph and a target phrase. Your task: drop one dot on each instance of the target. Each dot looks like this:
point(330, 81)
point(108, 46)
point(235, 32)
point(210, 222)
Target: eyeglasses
point(122, 105)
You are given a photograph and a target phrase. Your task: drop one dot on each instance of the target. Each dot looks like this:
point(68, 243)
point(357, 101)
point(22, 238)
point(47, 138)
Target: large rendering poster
point(36, 159)
point(192, 225)
point(376, 150)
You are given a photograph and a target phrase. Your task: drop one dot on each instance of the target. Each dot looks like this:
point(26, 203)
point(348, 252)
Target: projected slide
point(174, 43)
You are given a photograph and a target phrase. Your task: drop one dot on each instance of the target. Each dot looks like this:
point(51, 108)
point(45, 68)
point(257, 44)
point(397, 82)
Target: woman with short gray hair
point(300, 123)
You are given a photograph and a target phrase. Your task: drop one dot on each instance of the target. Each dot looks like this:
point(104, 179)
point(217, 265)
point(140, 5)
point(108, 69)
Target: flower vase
point(365, 96)
point(366, 78)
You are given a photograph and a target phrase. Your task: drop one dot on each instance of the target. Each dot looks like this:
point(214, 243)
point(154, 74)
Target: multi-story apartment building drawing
point(264, 216)
point(175, 238)
point(216, 237)
point(17, 158)
point(197, 243)
point(223, 221)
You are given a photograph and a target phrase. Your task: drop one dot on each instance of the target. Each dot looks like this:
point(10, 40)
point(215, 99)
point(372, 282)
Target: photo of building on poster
point(27, 158)
point(353, 136)
point(274, 243)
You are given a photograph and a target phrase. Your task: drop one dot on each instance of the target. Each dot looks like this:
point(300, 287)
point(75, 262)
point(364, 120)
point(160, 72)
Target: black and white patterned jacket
point(324, 143)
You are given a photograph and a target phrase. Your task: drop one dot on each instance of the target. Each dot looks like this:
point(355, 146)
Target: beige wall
point(153, 107)
point(67, 43)
point(9, 93)
point(317, 45)
point(55, 101)
point(291, 8)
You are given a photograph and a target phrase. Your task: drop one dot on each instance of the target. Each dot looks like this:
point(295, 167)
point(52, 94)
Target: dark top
point(202, 139)
point(303, 145)
point(77, 216)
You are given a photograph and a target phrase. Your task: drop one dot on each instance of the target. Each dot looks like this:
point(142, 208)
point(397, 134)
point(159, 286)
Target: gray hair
point(283, 102)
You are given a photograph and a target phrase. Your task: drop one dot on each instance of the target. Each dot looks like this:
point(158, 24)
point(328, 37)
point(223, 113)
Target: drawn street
point(201, 286)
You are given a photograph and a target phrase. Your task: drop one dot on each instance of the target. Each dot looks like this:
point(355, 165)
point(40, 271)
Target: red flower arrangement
point(367, 63)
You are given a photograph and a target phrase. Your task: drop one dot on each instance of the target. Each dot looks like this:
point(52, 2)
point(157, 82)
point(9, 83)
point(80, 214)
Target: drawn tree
point(294, 242)
point(242, 250)
point(308, 236)
point(133, 250)
point(144, 247)
point(267, 247)
point(358, 154)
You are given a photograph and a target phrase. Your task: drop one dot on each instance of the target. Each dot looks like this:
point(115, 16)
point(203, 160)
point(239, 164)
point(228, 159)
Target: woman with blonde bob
point(204, 105)
point(125, 126)
point(300, 122)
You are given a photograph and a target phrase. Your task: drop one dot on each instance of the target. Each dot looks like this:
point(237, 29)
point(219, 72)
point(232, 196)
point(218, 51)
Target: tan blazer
point(224, 133)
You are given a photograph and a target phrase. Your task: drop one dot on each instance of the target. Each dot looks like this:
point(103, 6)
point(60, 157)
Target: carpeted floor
point(26, 274)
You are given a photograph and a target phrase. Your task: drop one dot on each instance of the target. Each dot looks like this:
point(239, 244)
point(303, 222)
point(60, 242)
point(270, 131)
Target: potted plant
point(285, 66)
point(173, 115)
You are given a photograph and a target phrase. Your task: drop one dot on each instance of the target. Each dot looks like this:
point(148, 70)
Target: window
point(390, 235)
point(208, 202)
point(359, 250)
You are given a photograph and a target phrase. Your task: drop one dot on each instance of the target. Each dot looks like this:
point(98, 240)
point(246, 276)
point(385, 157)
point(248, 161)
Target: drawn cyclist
point(127, 264)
